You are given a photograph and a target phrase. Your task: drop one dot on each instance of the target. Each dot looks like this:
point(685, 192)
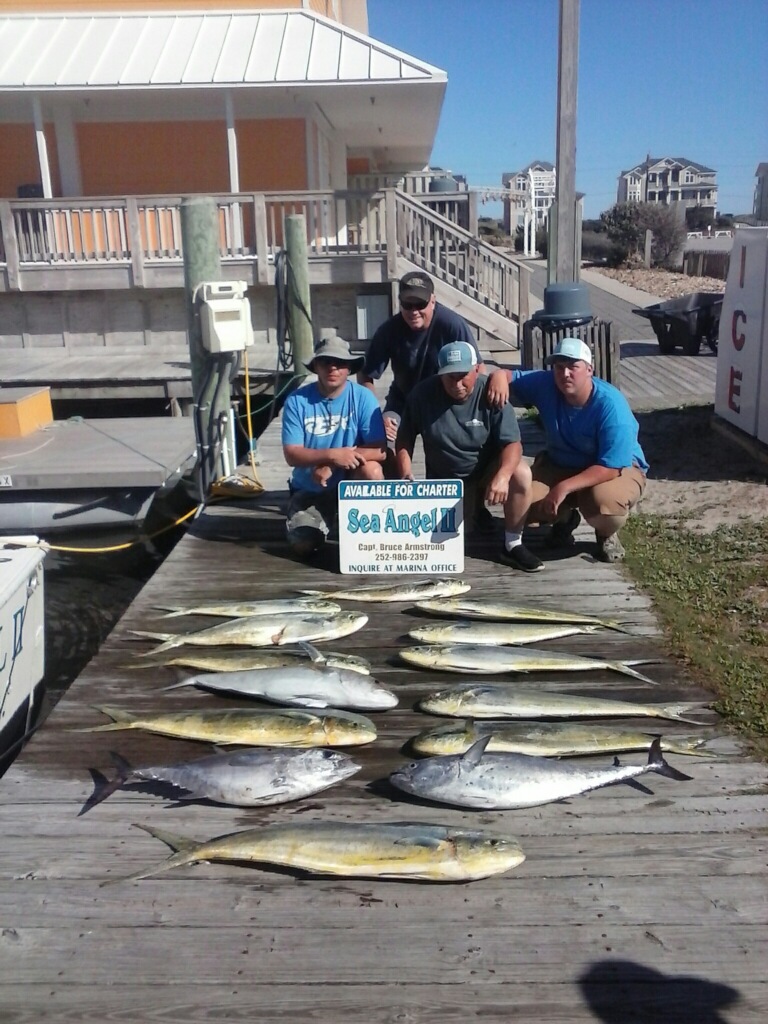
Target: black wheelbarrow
point(686, 321)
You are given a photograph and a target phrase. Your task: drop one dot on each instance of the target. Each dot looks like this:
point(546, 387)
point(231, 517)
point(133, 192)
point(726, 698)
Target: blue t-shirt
point(394, 342)
point(601, 433)
point(312, 421)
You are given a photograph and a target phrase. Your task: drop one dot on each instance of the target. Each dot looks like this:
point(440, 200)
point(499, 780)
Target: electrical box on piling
point(225, 316)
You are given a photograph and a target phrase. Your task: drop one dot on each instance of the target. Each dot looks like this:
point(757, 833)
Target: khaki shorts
point(612, 498)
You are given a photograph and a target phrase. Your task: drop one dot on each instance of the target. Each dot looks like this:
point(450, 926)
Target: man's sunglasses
point(411, 305)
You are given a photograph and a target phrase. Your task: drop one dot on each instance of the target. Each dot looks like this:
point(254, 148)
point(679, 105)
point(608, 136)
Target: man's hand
point(321, 475)
point(344, 458)
point(391, 424)
point(497, 392)
point(498, 490)
point(552, 502)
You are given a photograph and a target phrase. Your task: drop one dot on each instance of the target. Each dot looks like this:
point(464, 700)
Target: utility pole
point(210, 391)
point(566, 265)
point(299, 304)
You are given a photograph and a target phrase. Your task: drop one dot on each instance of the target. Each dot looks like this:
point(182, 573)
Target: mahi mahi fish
point(275, 728)
point(408, 850)
point(479, 700)
point(479, 659)
point(503, 781)
point(494, 633)
point(308, 686)
point(264, 657)
point(243, 609)
point(546, 739)
point(261, 631)
point(385, 592)
point(506, 611)
point(242, 778)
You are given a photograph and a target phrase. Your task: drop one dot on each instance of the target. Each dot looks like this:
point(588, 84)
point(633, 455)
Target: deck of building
point(636, 906)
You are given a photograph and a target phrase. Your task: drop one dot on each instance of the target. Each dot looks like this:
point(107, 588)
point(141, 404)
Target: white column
point(42, 148)
point(234, 170)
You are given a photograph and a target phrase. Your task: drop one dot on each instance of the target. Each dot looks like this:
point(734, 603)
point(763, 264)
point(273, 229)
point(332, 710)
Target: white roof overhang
point(160, 66)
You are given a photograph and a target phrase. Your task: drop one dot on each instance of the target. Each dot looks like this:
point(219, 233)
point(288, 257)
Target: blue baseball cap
point(457, 357)
point(571, 348)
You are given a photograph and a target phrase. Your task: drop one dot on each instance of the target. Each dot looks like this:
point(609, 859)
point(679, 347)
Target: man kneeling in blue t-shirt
point(332, 430)
point(592, 463)
point(464, 437)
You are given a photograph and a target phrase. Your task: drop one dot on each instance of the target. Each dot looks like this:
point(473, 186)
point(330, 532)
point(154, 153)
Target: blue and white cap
point(457, 357)
point(571, 348)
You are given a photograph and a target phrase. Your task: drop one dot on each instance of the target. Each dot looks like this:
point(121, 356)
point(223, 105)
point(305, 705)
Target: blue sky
point(669, 77)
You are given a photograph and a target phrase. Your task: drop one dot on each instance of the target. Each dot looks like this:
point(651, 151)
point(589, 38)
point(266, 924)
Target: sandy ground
point(698, 474)
point(662, 283)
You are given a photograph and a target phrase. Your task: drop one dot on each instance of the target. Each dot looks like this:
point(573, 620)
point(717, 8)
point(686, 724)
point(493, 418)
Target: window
point(652, 177)
point(689, 178)
point(651, 197)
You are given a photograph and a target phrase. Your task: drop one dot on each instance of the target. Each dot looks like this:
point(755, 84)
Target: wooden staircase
point(488, 288)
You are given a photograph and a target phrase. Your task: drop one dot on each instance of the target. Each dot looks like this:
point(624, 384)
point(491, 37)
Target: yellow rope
point(128, 544)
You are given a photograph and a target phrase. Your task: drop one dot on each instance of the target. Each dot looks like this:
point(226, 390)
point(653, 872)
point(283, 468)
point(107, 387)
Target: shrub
point(598, 248)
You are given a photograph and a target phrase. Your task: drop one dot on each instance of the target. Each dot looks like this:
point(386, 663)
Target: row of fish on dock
point(468, 763)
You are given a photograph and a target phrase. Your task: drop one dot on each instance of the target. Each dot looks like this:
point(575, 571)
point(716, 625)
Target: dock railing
point(139, 233)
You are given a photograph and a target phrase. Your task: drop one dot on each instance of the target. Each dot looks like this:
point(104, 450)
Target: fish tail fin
point(120, 719)
point(172, 610)
point(151, 636)
point(184, 853)
point(179, 844)
point(656, 763)
point(103, 787)
point(679, 713)
point(617, 626)
point(625, 668)
point(312, 593)
point(189, 681)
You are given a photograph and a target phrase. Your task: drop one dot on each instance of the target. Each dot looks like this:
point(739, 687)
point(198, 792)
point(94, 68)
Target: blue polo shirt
point(601, 433)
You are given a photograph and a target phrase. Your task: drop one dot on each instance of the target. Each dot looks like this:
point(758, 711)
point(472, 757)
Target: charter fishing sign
point(388, 526)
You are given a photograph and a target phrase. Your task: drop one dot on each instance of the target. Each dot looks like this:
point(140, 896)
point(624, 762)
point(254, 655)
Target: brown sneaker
point(610, 549)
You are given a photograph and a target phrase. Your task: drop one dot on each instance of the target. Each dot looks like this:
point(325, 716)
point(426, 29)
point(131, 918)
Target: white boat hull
point(22, 640)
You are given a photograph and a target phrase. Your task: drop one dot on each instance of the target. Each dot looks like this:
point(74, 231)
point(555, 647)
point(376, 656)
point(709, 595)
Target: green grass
point(710, 592)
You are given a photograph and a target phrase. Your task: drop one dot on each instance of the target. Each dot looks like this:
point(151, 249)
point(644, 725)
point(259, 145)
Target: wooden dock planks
point(621, 891)
point(630, 905)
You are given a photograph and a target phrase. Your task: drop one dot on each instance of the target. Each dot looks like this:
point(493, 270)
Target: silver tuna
point(309, 686)
point(242, 778)
point(505, 781)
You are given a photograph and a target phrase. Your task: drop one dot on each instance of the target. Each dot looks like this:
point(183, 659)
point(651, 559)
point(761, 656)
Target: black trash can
point(686, 321)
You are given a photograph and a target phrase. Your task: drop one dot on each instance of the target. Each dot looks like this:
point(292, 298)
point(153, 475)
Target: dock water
point(629, 906)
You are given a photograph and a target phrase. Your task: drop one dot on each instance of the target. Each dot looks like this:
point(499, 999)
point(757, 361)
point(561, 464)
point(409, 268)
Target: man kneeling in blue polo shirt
point(465, 437)
point(592, 463)
point(332, 430)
